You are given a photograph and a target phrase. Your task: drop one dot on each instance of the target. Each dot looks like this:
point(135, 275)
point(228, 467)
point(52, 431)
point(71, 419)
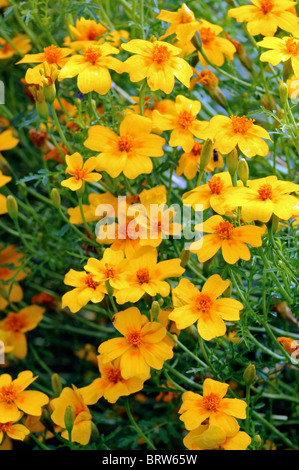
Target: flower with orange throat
point(81, 431)
point(204, 307)
point(11, 273)
point(13, 430)
point(158, 62)
point(18, 43)
point(263, 197)
point(80, 171)
point(182, 23)
point(18, 324)
point(213, 194)
point(92, 68)
point(215, 48)
point(266, 16)
point(231, 240)
point(3, 181)
point(212, 437)
point(111, 385)
point(15, 398)
point(188, 163)
point(130, 151)
point(182, 123)
point(86, 289)
point(241, 132)
point(212, 405)
point(141, 347)
point(285, 49)
point(111, 268)
point(145, 275)
point(7, 140)
point(84, 31)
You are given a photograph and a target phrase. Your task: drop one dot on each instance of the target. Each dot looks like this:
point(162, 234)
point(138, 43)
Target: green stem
point(137, 428)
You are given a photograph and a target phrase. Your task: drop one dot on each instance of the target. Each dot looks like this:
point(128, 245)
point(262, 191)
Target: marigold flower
point(213, 194)
point(188, 163)
point(130, 151)
point(266, 16)
point(183, 123)
point(13, 430)
point(212, 437)
point(81, 431)
point(263, 197)
point(80, 171)
point(111, 385)
point(18, 324)
point(10, 275)
point(281, 50)
point(14, 397)
point(158, 62)
point(183, 23)
point(92, 68)
point(86, 290)
point(290, 345)
point(21, 43)
point(230, 132)
point(192, 305)
point(215, 48)
point(212, 405)
point(110, 268)
point(85, 30)
point(142, 346)
point(145, 275)
point(231, 240)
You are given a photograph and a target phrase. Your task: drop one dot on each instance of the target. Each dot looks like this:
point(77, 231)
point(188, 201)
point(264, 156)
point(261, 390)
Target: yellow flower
point(212, 405)
point(214, 47)
point(85, 30)
point(130, 151)
point(141, 347)
point(263, 197)
point(158, 62)
point(145, 275)
point(7, 140)
point(204, 307)
point(231, 240)
point(110, 268)
point(293, 87)
point(3, 181)
point(290, 345)
point(230, 132)
point(14, 431)
point(92, 68)
point(183, 23)
point(89, 210)
point(81, 431)
point(14, 397)
point(22, 44)
point(188, 163)
point(9, 278)
point(86, 290)
point(214, 194)
point(212, 437)
point(80, 171)
point(266, 16)
point(111, 385)
point(182, 122)
point(281, 50)
point(18, 324)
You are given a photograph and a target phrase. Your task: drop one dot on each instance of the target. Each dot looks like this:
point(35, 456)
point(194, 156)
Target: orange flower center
point(216, 184)
point(207, 35)
point(160, 53)
point(266, 6)
point(134, 337)
point(125, 143)
point(79, 173)
point(185, 119)
point(224, 229)
point(292, 46)
point(52, 54)
point(241, 124)
point(197, 147)
point(8, 393)
point(5, 427)
point(15, 322)
point(212, 401)
point(113, 375)
point(89, 281)
point(203, 302)
point(109, 270)
point(92, 54)
point(265, 192)
point(143, 275)
point(185, 16)
point(95, 31)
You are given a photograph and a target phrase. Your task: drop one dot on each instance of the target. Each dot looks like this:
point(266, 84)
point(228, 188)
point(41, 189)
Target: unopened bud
point(206, 154)
point(161, 302)
point(249, 374)
point(257, 441)
point(184, 256)
point(81, 190)
point(56, 384)
point(283, 92)
point(55, 196)
point(155, 309)
point(243, 171)
point(196, 40)
point(49, 90)
point(232, 160)
point(69, 418)
point(12, 207)
point(42, 109)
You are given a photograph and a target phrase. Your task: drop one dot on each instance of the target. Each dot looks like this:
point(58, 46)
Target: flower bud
point(155, 309)
point(81, 190)
point(206, 154)
point(69, 418)
point(184, 256)
point(55, 196)
point(257, 441)
point(56, 384)
point(249, 374)
point(12, 207)
point(243, 171)
point(283, 92)
point(49, 90)
point(232, 160)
